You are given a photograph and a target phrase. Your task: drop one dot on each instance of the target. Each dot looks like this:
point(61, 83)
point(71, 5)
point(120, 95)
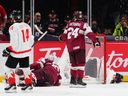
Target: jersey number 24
point(72, 32)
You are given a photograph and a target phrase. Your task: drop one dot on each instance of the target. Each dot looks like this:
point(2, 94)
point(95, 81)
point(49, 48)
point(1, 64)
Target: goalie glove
point(6, 52)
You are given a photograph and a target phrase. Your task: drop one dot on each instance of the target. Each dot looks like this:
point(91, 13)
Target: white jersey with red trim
point(111, 74)
point(21, 40)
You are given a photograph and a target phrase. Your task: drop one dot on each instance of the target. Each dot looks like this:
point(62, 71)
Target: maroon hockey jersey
point(49, 74)
point(74, 35)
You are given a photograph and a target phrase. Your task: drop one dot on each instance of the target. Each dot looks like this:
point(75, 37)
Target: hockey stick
point(38, 29)
point(43, 34)
point(40, 37)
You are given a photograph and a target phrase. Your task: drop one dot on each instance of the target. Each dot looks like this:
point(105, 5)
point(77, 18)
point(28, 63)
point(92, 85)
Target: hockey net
point(95, 68)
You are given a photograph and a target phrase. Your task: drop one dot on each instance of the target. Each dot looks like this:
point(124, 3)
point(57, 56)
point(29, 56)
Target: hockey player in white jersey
point(21, 40)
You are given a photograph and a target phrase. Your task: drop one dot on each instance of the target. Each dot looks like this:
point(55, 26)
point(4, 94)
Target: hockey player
point(21, 40)
point(45, 73)
point(74, 35)
point(113, 77)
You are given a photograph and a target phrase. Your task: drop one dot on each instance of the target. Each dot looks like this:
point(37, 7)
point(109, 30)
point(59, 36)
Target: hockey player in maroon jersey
point(48, 75)
point(74, 35)
point(45, 72)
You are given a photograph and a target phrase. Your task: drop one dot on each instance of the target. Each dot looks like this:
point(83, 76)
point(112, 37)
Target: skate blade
point(77, 86)
point(10, 91)
point(27, 90)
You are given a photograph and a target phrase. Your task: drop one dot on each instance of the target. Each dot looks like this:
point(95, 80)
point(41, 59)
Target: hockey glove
point(6, 52)
point(97, 44)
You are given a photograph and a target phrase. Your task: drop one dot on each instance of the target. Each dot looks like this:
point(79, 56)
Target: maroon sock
point(74, 74)
point(81, 73)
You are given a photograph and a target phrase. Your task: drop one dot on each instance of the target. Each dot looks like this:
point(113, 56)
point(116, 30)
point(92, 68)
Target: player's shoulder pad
point(11, 27)
point(85, 25)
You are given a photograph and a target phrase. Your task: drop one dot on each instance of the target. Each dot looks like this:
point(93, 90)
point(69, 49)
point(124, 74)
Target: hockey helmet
point(78, 15)
point(16, 15)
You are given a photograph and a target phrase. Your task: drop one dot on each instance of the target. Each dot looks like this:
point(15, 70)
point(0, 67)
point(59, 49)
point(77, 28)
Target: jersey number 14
point(25, 35)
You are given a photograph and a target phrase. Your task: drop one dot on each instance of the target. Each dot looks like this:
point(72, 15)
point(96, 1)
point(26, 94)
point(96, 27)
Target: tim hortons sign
point(116, 54)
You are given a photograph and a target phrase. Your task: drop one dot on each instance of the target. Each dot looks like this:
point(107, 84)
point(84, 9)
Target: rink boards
point(116, 55)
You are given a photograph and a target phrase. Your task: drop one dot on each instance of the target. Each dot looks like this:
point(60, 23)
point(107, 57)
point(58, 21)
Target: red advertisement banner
point(116, 53)
point(43, 49)
point(117, 56)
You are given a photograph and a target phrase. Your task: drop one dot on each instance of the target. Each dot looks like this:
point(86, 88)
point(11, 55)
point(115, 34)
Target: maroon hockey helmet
point(78, 16)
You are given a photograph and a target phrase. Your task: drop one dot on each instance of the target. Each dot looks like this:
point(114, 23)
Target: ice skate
point(80, 82)
point(73, 82)
point(27, 87)
point(10, 88)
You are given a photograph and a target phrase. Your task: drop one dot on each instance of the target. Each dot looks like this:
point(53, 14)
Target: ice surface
point(64, 90)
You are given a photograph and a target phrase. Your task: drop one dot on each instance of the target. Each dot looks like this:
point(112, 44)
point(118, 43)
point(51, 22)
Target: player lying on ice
point(113, 77)
point(45, 73)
